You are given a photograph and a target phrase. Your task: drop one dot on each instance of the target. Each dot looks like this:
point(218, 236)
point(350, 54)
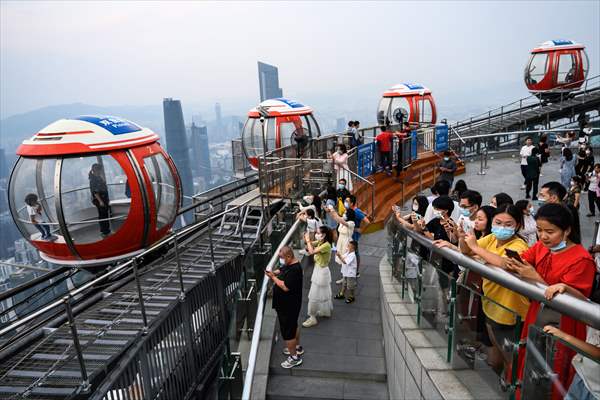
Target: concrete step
point(281, 387)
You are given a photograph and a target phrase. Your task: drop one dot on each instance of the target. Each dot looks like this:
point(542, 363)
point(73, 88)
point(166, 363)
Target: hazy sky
point(136, 53)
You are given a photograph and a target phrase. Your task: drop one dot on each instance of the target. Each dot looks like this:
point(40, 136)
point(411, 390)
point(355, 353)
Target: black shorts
point(502, 331)
point(288, 323)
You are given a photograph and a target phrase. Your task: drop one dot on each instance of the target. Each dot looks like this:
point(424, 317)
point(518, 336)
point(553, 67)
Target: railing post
point(481, 171)
point(179, 271)
point(241, 228)
point(210, 241)
point(140, 295)
point(85, 384)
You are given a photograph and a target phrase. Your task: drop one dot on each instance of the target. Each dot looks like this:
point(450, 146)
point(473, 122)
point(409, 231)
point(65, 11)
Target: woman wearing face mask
point(567, 167)
point(529, 229)
point(557, 257)
point(331, 200)
point(320, 301)
point(419, 207)
point(500, 323)
point(340, 164)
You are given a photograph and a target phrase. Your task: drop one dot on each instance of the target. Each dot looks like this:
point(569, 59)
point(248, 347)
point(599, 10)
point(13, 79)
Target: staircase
point(390, 190)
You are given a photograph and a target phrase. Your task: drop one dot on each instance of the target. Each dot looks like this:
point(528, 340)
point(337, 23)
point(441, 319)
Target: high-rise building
point(3, 164)
point(177, 144)
point(340, 125)
point(218, 119)
point(268, 81)
point(201, 155)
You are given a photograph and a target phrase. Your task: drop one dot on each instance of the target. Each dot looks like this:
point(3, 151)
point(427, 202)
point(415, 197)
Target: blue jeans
point(44, 230)
point(578, 391)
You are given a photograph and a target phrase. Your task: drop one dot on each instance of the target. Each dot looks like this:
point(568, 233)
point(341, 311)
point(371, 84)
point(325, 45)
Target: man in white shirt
point(442, 188)
point(525, 152)
point(469, 203)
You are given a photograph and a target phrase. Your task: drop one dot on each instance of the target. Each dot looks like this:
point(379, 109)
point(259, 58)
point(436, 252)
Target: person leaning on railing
point(557, 257)
point(500, 322)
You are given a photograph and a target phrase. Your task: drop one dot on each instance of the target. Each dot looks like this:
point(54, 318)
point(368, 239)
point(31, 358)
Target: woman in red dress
point(557, 257)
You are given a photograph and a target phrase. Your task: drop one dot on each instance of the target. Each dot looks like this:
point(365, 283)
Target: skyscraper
point(201, 155)
point(3, 164)
point(340, 125)
point(268, 80)
point(219, 119)
point(177, 144)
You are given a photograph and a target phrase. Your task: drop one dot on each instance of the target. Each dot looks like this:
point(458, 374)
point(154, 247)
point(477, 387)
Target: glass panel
point(536, 69)
point(163, 187)
point(315, 131)
point(29, 201)
point(400, 110)
point(566, 68)
point(585, 63)
point(382, 111)
point(426, 111)
point(270, 133)
point(286, 129)
point(48, 201)
point(252, 137)
point(94, 197)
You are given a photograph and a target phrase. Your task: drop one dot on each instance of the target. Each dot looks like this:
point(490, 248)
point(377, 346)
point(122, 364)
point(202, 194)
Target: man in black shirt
point(99, 192)
point(342, 192)
point(287, 301)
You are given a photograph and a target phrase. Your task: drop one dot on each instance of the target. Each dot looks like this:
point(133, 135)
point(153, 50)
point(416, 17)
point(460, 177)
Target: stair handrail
point(252, 357)
point(537, 101)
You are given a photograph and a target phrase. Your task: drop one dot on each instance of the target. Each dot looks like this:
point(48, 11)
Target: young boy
point(34, 211)
point(348, 273)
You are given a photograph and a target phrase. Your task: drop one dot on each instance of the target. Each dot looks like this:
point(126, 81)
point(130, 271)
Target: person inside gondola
point(99, 192)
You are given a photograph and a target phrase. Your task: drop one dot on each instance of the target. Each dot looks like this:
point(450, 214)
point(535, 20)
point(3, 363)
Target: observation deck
point(190, 317)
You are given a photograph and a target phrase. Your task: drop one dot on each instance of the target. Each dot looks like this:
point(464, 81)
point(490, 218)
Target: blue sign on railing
point(441, 138)
point(413, 145)
point(365, 158)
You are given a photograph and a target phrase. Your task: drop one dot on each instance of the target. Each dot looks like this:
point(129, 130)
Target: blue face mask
point(341, 186)
point(502, 232)
point(562, 245)
point(446, 158)
point(465, 212)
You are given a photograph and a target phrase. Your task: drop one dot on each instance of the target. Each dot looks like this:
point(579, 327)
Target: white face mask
point(319, 236)
point(308, 199)
point(345, 217)
point(437, 214)
point(415, 207)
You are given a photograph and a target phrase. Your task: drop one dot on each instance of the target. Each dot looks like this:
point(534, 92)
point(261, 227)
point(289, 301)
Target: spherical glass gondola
point(277, 123)
point(555, 67)
point(407, 102)
point(92, 190)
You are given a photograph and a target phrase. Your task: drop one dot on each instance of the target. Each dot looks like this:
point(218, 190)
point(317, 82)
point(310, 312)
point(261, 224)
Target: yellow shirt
point(323, 253)
point(499, 294)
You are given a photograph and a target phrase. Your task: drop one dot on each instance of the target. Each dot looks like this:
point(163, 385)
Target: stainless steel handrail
point(249, 378)
point(368, 182)
point(495, 134)
point(585, 311)
point(164, 242)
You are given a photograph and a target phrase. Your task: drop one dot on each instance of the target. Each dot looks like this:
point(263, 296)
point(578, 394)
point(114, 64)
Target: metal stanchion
point(85, 384)
point(179, 271)
point(140, 296)
point(210, 240)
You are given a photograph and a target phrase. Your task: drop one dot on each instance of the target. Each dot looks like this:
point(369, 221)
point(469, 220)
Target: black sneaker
point(339, 296)
point(350, 300)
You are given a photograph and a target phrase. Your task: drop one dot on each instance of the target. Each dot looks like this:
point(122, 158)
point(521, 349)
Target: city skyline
point(268, 82)
point(324, 65)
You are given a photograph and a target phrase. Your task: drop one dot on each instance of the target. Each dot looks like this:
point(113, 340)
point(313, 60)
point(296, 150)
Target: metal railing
point(249, 378)
point(416, 263)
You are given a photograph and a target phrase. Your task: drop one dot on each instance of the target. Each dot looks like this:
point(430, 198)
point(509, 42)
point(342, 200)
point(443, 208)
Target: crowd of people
point(333, 226)
point(538, 241)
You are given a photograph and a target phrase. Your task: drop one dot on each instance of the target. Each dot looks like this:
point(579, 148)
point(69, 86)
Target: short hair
point(30, 199)
point(528, 138)
point(443, 187)
point(343, 179)
point(310, 212)
point(473, 196)
point(556, 189)
point(447, 153)
point(287, 251)
point(354, 243)
point(350, 123)
point(535, 151)
point(356, 123)
point(352, 198)
point(444, 203)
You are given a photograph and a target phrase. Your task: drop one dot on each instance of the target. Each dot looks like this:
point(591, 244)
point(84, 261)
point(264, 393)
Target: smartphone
point(513, 254)
point(418, 216)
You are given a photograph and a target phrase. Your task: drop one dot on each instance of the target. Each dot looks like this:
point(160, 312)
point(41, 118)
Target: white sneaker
point(339, 281)
point(291, 362)
point(523, 187)
point(310, 321)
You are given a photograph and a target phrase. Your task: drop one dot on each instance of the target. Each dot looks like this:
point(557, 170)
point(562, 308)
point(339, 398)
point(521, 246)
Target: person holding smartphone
point(500, 323)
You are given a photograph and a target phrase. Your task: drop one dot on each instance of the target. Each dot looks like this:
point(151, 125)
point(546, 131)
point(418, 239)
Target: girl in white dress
point(340, 164)
point(320, 297)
